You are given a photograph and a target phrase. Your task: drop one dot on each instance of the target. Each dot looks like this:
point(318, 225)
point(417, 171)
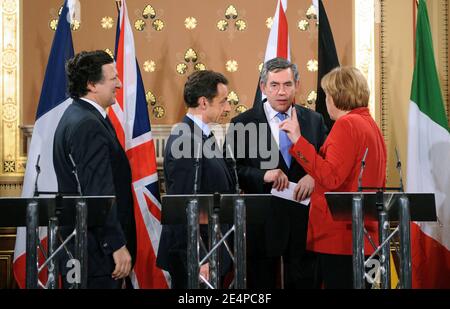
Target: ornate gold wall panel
point(364, 33)
point(12, 163)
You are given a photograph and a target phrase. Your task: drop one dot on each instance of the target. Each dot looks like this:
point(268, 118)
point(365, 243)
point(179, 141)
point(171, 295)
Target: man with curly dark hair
point(86, 135)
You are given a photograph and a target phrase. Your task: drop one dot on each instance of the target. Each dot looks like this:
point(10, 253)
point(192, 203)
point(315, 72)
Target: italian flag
point(428, 168)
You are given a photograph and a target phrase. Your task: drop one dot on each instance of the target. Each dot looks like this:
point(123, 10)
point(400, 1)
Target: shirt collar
point(199, 122)
point(271, 113)
point(97, 107)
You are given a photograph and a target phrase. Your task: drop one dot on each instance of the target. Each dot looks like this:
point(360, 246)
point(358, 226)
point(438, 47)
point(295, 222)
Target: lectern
point(51, 212)
point(383, 207)
point(235, 209)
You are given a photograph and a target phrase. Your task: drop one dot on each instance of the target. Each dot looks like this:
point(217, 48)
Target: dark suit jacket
point(284, 232)
point(214, 175)
point(103, 169)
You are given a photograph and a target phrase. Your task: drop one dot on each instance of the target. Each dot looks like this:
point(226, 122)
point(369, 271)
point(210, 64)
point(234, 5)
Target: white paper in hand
point(288, 194)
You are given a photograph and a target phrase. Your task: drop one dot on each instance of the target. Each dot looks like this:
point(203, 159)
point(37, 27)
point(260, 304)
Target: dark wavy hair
point(202, 84)
point(84, 68)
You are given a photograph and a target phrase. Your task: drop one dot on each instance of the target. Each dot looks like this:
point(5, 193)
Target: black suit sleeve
point(183, 171)
point(90, 148)
point(251, 178)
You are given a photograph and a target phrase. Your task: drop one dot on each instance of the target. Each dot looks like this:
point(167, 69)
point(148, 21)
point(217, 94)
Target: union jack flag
point(131, 122)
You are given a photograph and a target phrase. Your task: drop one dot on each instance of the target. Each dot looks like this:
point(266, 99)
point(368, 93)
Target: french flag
point(52, 103)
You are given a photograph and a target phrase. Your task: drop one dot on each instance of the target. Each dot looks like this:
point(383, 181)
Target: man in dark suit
point(86, 136)
point(205, 95)
point(264, 163)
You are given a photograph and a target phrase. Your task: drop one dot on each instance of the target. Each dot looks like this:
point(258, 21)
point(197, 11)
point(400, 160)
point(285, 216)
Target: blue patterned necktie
point(285, 142)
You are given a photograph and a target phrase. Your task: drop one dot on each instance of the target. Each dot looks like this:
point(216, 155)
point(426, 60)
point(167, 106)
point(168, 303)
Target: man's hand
point(278, 178)
point(122, 259)
point(304, 188)
point(204, 271)
point(292, 127)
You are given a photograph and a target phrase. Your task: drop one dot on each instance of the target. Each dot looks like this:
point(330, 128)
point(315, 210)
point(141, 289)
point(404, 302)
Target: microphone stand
point(75, 173)
point(81, 246)
point(240, 245)
point(38, 172)
point(383, 229)
point(193, 231)
point(361, 171)
point(233, 160)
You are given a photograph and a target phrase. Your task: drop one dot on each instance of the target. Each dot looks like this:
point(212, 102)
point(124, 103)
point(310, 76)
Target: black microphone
point(238, 190)
point(399, 169)
point(75, 173)
point(38, 171)
point(363, 165)
point(197, 166)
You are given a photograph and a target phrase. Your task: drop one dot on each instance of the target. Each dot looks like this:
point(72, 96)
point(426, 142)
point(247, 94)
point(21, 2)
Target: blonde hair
point(347, 86)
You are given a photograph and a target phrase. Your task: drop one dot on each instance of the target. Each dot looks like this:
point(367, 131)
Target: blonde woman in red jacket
point(336, 168)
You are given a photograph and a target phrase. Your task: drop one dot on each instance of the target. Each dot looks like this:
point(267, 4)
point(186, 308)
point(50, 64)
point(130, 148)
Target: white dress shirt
point(274, 121)
point(97, 106)
point(199, 122)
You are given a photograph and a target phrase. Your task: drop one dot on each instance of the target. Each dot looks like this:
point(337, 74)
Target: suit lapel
point(96, 113)
point(194, 129)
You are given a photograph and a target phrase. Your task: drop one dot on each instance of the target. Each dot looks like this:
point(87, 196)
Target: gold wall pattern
point(190, 25)
point(12, 161)
point(150, 16)
point(231, 21)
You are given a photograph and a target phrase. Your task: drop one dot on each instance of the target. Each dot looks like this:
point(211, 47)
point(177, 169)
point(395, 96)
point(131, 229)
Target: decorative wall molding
point(364, 32)
point(11, 160)
point(383, 72)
